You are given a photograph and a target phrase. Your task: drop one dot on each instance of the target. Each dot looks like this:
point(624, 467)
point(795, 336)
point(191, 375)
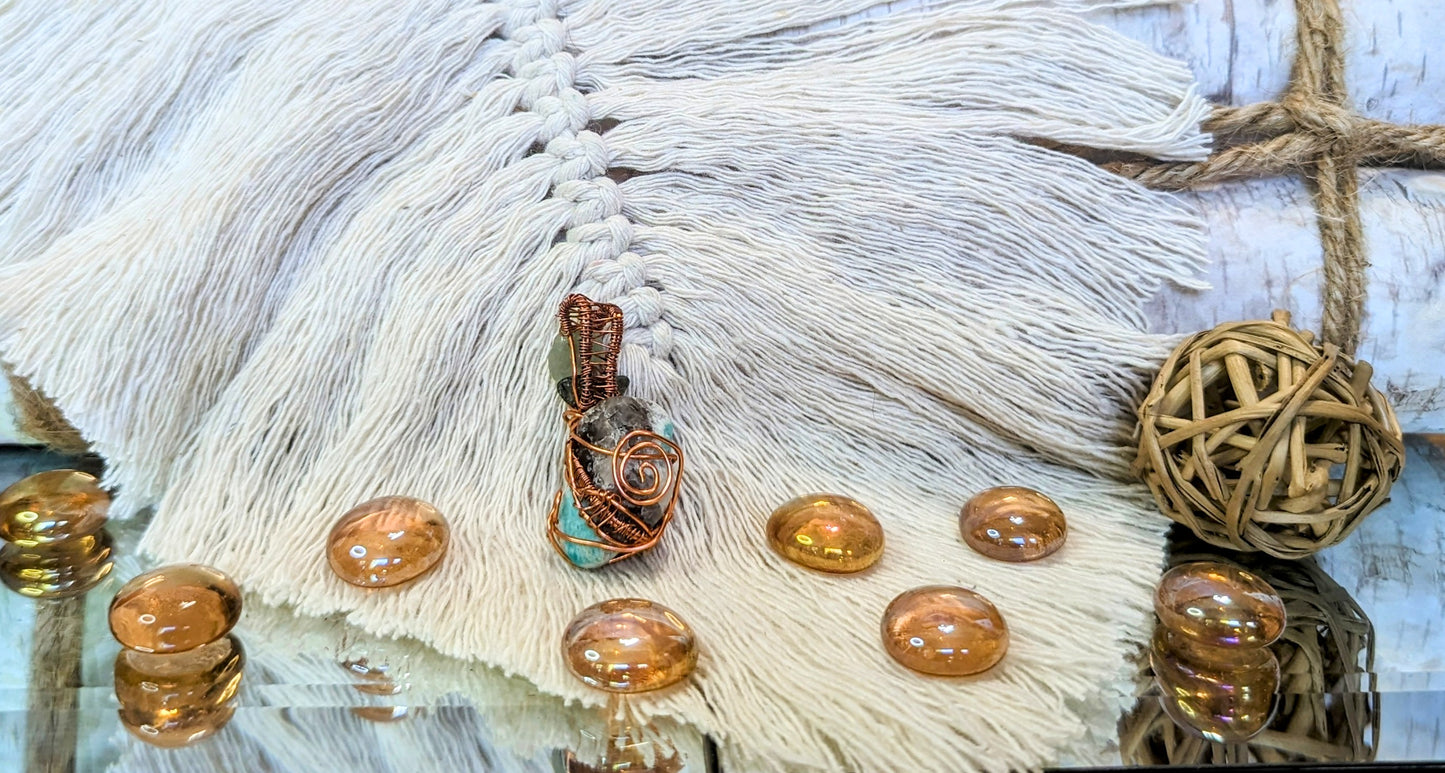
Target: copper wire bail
point(646, 467)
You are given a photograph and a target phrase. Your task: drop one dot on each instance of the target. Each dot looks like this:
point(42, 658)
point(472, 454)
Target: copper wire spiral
point(655, 463)
point(658, 464)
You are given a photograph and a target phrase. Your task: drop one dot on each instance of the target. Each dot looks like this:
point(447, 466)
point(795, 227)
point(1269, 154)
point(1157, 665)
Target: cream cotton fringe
point(275, 258)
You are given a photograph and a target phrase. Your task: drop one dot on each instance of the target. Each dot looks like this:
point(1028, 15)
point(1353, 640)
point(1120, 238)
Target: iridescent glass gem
point(177, 699)
point(629, 645)
point(1220, 605)
point(175, 608)
point(1222, 694)
point(59, 569)
point(387, 541)
point(826, 532)
point(944, 631)
point(1012, 523)
point(52, 507)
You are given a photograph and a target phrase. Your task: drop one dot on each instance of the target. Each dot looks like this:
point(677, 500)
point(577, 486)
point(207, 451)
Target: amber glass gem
point(944, 631)
point(1222, 694)
point(57, 570)
point(1220, 605)
point(178, 699)
point(826, 532)
point(1012, 523)
point(387, 541)
point(52, 507)
point(629, 645)
point(175, 608)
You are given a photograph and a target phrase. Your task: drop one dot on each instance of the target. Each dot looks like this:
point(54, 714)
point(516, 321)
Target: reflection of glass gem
point(178, 699)
point(58, 569)
point(1218, 693)
point(626, 746)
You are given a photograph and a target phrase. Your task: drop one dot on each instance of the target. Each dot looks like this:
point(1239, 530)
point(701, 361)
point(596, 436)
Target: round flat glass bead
point(175, 608)
point(178, 699)
point(629, 645)
point(1221, 694)
point(52, 507)
point(944, 631)
point(826, 532)
point(57, 570)
point(1219, 605)
point(1012, 523)
point(387, 541)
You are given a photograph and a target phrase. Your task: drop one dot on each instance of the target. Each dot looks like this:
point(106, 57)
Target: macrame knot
point(562, 115)
point(538, 44)
point(583, 156)
point(611, 237)
point(658, 337)
point(1257, 439)
point(526, 13)
point(616, 277)
point(642, 306)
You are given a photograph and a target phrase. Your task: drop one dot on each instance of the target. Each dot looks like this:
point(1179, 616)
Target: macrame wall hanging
point(272, 259)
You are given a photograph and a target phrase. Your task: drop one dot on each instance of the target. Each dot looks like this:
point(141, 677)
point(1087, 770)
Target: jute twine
point(1310, 131)
point(38, 418)
point(1325, 710)
point(1254, 436)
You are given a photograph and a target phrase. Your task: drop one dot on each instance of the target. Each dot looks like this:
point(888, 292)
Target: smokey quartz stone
point(604, 426)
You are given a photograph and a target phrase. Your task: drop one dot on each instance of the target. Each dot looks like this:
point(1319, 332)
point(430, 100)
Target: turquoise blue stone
point(570, 521)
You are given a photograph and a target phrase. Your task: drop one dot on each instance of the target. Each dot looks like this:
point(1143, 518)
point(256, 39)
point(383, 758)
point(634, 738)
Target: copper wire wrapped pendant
point(621, 467)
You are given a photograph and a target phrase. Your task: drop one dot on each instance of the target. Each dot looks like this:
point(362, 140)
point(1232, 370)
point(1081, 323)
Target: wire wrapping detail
point(646, 468)
point(595, 330)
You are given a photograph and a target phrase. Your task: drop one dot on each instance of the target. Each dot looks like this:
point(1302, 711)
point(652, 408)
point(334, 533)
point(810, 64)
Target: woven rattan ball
point(1257, 439)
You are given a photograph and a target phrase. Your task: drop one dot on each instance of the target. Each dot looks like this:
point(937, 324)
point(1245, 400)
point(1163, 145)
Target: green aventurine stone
point(559, 358)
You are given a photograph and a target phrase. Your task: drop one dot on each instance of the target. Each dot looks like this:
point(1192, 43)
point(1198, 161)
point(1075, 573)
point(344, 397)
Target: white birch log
point(1264, 240)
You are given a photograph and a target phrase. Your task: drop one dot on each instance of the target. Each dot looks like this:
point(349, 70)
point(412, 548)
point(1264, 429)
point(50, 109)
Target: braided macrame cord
point(844, 265)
